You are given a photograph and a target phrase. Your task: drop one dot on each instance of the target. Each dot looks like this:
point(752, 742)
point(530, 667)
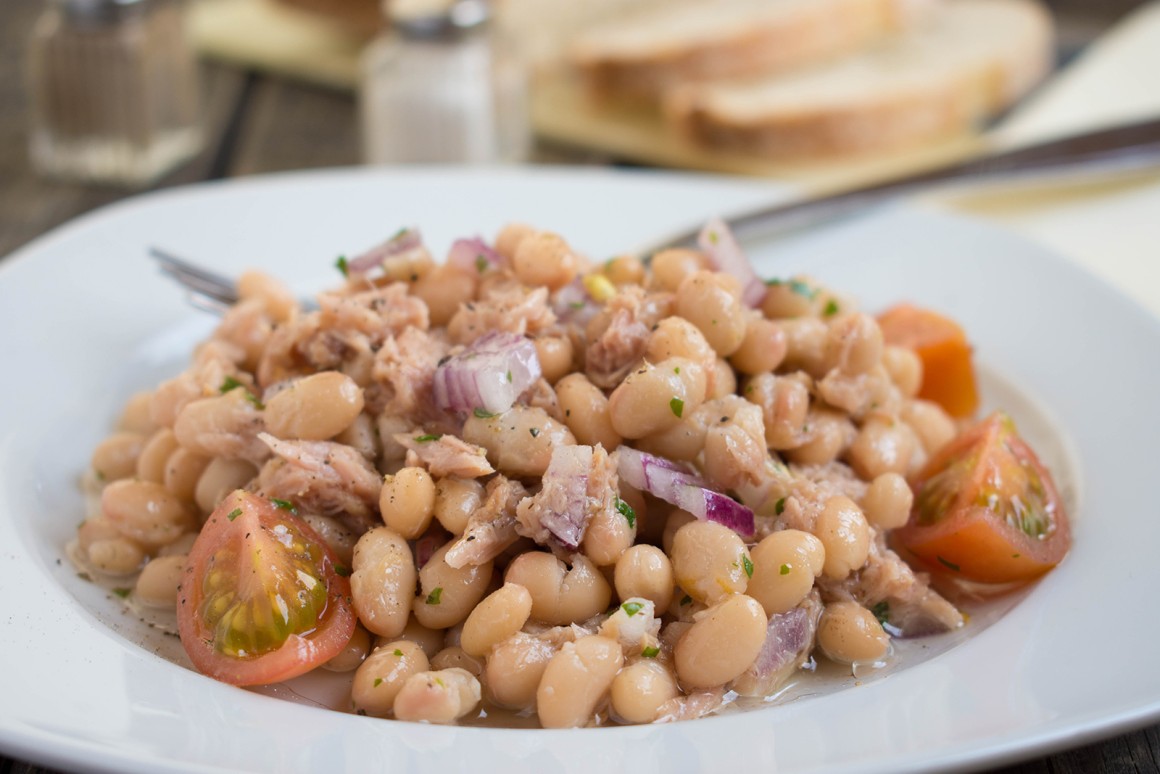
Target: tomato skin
point(948, 375)
point(966, 539)
point(254, 519)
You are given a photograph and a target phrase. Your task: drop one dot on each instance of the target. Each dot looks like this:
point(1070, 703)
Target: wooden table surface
point(261, 124)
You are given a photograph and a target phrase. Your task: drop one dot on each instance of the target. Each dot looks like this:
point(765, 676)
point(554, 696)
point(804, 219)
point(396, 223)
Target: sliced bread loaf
point(655, 47)
point(965, 61)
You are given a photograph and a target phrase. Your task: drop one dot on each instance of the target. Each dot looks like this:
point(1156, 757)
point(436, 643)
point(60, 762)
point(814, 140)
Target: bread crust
point(807, 34)
point(949, 104)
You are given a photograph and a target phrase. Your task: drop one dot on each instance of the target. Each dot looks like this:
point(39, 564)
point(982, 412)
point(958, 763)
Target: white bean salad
point(517, 481)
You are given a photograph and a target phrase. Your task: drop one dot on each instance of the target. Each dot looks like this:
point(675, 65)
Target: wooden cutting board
point(267, 36)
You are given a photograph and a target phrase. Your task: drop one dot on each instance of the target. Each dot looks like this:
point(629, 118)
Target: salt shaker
point(441, 87)
point(113, 89)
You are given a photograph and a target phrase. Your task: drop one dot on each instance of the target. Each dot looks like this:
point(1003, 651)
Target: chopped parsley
point(779, 507)
point(784, 570)
point(626, 511)
point(342, 570)
point(576, 304)
point(677, 370)
point(435, 595)
point(535, 431)
point(713, 237)
point(652, 651)
point(881, 611)
point(123, 593)
point(747, 565)
point(230, 383)
point(632, 608)
point(509, 377)
point(481, 263)
point(235, 513)
point(398, 652)
point(831, 308)
point(428, 437)
point(342, 265)
point(285, 505)
point(795, 286)
point(678, 407)
point(948, 563)
point(482, 413)
point(378, 682)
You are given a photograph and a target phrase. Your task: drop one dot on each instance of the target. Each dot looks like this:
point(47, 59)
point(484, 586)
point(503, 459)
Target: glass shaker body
point(457, 99)
point(114, 93)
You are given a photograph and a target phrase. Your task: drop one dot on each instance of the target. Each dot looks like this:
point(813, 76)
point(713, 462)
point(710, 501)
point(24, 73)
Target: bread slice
point(655, 47)
point(966, 61)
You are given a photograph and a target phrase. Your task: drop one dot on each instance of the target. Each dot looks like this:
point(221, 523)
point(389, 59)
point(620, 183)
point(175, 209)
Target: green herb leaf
point(713, 237)
point(747, 565)
point(398, 652)
point(802, 289)
point(480, 264)
point(632, 608)
point(122, 592)
point(784, 570)
point(677, 370)
point(678, 407)
point(881, 611)
point(831, 308)
point(342, 570)
point(285, 505)
point(535, 431)
point(482, 413)
point(435, 595)
point(949, 564)
point(652, 651)
point(342, 265)
point(772, 282)
point(779, 507)
point(378, 682)
point(576, 304)
point(509, 377)
point(626, 511)
point(428, 437)
point(235, 513)
point(229, 383)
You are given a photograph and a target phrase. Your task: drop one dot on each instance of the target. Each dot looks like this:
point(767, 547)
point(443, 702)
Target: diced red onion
point(716, 240)
point(677, 484)
point(406, 239)
point(707, 504)
point(474, 255)
point(490, 374)
point(572, 304)
point(565, 515)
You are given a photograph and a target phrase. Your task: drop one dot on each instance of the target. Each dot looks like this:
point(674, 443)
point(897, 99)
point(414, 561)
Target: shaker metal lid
point(436, 19)
point(100, 11)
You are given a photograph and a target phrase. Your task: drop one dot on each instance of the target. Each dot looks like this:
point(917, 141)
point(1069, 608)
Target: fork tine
point(197, 280)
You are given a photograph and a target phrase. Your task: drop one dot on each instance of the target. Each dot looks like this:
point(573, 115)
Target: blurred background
point(101, 98)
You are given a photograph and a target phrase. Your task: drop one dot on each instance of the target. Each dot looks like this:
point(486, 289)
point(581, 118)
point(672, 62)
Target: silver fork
point(1126, 147)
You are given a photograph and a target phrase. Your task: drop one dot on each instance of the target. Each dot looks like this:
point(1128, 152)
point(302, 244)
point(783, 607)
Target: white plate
point(86, 321)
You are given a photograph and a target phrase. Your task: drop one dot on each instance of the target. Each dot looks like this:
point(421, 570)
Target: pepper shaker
point(114, 91)
point(441, 86)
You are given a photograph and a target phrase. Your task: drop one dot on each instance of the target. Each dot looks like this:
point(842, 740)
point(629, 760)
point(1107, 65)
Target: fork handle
point(1118, 148)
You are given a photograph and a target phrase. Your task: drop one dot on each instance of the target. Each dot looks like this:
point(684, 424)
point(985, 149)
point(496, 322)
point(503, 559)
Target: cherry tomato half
point(986, 509)
point(260, 599)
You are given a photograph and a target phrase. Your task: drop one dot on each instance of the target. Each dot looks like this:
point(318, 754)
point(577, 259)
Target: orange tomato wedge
point(948, 377)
